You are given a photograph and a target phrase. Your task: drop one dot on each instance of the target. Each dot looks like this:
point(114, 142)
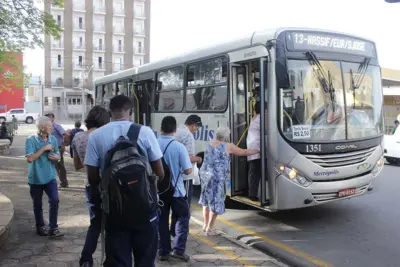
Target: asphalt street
point(359, 232)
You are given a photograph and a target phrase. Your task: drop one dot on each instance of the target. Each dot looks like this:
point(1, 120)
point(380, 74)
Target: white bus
point(324, 134)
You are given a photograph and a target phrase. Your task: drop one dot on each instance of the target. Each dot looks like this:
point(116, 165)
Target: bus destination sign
point(315, 41)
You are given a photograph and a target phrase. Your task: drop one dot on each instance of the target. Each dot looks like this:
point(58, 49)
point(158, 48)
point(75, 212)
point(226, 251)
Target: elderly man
point(59, 133)
point(42, 154)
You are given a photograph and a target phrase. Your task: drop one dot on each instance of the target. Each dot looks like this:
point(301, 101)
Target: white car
point(392, 147)
point(20, 114)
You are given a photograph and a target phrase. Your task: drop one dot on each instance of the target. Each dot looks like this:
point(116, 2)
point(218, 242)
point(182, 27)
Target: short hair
point(42, 121)
point(50, 115)
point(194, 120)
point(120, 103)
point(168, 124)
point(396, 121)
point(222, 133)
point(97, 117)
point(78, 124)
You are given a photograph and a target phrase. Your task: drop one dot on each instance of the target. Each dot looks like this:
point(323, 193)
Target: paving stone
point(73, 249)
point(19, 254)
point(25, 248)
point(52, 264)
point(64, 257)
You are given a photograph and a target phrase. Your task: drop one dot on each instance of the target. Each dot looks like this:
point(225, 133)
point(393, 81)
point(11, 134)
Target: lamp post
point(83, 77)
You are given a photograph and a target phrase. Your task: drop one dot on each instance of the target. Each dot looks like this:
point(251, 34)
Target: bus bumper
point(290, 195)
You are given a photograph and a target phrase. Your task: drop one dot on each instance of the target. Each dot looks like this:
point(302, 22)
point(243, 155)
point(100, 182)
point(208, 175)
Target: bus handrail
point(137, 105)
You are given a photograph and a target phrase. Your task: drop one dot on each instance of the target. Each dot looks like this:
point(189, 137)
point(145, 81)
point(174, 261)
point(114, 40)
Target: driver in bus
point(253, 142)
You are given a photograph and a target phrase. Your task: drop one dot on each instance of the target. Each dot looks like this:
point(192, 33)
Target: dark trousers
point(122, 243)
point(189, 193)
point(254, 177)
point(36, 191)
point(180, 208)
point(93, 201)
point(61, 171)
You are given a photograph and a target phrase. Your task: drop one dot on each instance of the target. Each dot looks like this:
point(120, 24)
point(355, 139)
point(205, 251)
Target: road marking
point(221, 249)
point(272, 242)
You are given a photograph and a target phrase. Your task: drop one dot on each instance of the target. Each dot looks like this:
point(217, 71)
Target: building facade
point(11, 81)
point(99, 37)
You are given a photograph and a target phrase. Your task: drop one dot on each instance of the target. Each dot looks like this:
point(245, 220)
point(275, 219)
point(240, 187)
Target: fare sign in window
point(328, 42)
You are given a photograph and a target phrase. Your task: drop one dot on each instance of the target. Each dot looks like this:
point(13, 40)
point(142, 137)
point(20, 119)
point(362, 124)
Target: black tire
point(29, 120)
point(391, 160)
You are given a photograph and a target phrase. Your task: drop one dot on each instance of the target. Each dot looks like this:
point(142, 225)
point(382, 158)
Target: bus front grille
point(341, 159)
point(322, 197)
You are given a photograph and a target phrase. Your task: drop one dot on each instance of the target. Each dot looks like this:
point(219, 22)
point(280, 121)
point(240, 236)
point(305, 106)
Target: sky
point(182, 25)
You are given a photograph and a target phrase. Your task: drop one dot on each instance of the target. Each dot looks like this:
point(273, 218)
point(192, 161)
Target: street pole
point(84, 75)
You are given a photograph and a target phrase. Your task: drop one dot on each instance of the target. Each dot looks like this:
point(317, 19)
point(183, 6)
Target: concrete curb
point(275, 260)
point(6, 217)
point(275, 252)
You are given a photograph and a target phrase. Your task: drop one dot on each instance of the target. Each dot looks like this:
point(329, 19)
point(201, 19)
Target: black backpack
point(129, 192)
point(165, 188)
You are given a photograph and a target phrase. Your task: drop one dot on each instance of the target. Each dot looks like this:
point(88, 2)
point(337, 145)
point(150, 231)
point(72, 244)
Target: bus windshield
point(331, 101)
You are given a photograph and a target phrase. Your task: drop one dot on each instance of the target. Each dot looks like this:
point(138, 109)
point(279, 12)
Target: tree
point(22, 25)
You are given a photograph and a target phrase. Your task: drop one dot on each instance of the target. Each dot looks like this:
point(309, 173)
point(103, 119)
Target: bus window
point(207, 72)
point(207, 89)
point(169, 93)
point(207, 98)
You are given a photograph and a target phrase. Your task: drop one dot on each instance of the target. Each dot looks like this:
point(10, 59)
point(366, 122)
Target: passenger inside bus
point(253, 142)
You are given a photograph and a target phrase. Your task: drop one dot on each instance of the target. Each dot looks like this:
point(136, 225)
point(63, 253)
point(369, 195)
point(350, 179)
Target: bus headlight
point(294, 175)
point(378, 167)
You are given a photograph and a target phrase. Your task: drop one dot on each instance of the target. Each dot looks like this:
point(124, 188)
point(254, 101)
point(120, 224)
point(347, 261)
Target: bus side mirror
point(282, 76)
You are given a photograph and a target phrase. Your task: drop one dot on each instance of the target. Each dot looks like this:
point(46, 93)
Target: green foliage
point(22, 24)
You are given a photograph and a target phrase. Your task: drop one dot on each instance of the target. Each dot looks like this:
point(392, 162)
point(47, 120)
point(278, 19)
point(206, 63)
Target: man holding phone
point(42, 153)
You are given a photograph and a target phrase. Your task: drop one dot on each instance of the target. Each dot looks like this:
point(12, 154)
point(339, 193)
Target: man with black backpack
point(122, 157)
point(177, 162)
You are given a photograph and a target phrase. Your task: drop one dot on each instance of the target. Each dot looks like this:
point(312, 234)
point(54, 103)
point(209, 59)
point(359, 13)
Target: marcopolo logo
point(342, 147)
point(203, 134)
point(326, 173)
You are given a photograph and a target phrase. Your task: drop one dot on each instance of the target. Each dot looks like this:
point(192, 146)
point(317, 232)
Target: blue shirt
point(42, 170)
point(102, 140)
point(58, 133)
point(177, 158)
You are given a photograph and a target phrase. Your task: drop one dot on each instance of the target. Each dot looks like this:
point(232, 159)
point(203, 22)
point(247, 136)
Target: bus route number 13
point(313, 148)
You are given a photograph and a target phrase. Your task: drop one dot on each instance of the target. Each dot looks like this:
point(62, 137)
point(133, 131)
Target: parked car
point(392, 147)
point(20, 114)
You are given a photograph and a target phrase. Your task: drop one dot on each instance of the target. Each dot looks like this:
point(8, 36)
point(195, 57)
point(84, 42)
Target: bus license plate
point(346, 192)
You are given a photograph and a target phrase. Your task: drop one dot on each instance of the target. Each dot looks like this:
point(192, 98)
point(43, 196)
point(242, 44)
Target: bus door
point(247, 80)
point(239, 184)
point(143, 91)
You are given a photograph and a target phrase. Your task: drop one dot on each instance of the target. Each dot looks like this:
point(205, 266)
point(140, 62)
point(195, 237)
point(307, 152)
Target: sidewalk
point(24, 248)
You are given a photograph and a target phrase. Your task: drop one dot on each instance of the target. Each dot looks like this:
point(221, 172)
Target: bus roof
point(257, 37)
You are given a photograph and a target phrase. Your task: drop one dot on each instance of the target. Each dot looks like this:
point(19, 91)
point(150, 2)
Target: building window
point(59, 20)
point(119, 45)
point(80, 63)
point(139, 27)
point(100, 44)
point(139, 48)
point(139, 10)
point(100, 63)
point(80, 42)
point(59, 61)
point(80, 23)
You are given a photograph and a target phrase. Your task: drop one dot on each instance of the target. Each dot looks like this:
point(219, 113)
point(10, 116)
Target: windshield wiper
point(326, 84)
point(362, 69)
